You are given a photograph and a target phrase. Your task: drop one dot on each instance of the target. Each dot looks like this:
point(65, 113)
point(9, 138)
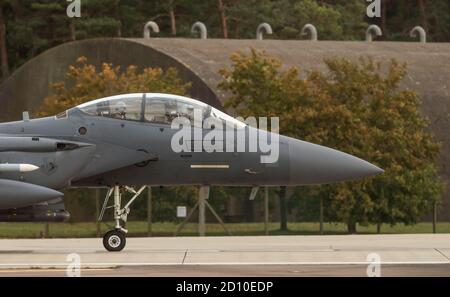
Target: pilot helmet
point(120, 108)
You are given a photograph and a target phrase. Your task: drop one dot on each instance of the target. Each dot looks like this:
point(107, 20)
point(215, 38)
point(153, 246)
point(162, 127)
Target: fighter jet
point(127, 142)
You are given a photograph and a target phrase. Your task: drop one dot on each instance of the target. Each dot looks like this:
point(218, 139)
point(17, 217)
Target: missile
point(21, 168)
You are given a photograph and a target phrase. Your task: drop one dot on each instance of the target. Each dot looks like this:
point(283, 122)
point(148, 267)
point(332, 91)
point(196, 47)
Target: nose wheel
point(114, 240)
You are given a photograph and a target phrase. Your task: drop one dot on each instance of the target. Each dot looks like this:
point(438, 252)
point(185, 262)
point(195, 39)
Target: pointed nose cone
point(315, 164)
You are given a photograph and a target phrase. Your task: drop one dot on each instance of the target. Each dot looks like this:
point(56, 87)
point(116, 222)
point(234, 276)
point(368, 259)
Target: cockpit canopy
point(154, 108)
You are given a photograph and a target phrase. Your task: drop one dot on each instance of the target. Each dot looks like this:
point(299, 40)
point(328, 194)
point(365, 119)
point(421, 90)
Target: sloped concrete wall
point(29, 85)
point(199, 60)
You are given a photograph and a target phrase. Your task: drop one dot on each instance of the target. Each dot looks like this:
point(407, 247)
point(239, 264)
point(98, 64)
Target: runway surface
point(409, 255)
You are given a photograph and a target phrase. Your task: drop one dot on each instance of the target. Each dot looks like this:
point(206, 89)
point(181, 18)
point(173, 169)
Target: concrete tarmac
point(340, 255)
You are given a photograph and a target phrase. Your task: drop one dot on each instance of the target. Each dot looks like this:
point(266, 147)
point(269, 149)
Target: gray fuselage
point(78, 149)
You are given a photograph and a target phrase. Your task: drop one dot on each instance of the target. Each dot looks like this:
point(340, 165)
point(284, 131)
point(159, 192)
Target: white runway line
point(106, 265)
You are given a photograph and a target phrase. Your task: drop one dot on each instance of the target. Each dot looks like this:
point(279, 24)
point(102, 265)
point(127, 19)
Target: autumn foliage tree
point(84, 82)
point(356, 107)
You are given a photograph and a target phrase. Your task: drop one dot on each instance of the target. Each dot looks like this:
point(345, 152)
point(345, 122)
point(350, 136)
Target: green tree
point(356, 107)
point(383, 125)
point(244, 16)
point(437, 17)
point(3, 48)
point(325, 18)
point(399, 17)
point(32, 27)
point(334, 20)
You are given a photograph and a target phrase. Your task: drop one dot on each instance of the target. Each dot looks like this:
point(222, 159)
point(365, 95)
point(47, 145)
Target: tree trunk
point(173, 21)
point(379, 228)
point(384, 17)
point(3, 49)
point(97, 213)
point(283, 209)
point(223, 19)
point(351, 228)
point(72, 31)
point(434, 216)
point(423, 14)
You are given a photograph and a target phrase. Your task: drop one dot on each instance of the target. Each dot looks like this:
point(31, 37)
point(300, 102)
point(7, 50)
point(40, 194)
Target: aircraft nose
point(316, 164)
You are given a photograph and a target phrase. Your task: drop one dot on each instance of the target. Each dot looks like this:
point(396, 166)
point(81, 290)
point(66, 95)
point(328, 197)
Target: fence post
point(321, 215)
point(97, 212)
point(46, 231)
point(149, 212)
point(434, 216)
point(266, 210)
point(202, 196)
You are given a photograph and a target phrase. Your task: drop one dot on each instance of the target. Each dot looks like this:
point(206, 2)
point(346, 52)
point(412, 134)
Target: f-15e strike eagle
point(149, 139)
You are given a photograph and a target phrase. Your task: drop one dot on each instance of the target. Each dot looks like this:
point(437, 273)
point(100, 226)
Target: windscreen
point(227, 119)
point(127, 108)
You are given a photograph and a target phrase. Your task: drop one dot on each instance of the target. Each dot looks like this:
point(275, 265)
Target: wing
point(109, 157)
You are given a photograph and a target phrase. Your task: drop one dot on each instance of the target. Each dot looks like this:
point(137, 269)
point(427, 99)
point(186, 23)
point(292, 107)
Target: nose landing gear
point(115, 240)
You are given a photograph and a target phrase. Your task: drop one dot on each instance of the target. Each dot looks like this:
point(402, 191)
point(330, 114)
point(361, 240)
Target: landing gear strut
point(115, 240)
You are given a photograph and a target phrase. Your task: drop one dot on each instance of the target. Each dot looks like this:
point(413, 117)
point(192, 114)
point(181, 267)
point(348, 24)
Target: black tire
point(114, 240)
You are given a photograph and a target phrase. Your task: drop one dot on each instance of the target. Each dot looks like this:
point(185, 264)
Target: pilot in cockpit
point(120, 111)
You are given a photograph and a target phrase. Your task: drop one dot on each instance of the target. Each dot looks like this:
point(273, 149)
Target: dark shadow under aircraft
point(139, 140)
